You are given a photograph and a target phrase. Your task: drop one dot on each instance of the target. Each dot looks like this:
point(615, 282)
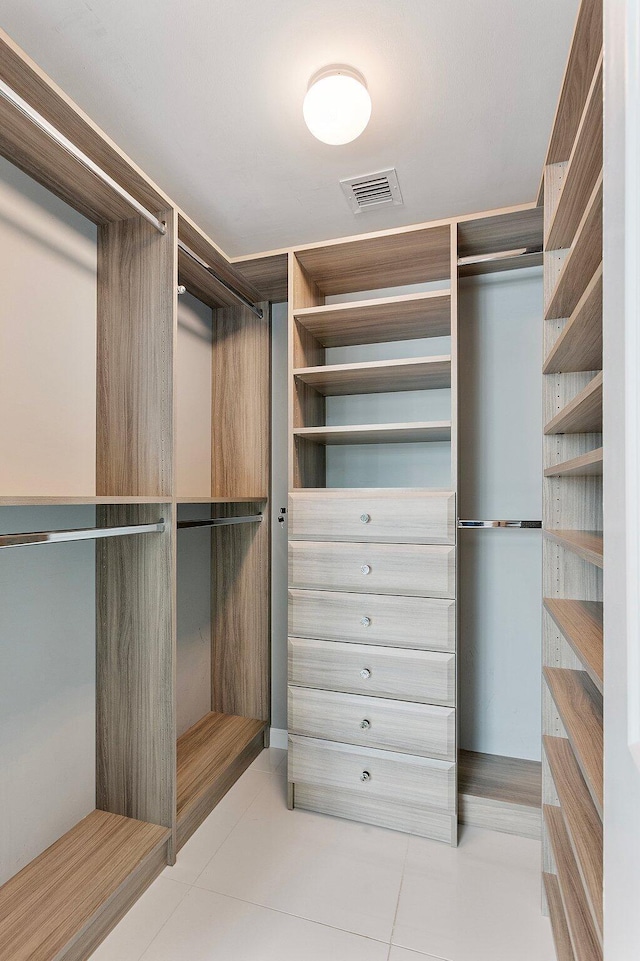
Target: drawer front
point(373, 774)
point(373, 722)
point(423, 623)
point(386, 517)
point(424, 676)
point(410, 569)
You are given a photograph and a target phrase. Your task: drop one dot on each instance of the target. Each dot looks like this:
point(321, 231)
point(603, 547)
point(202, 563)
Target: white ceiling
point(206, 96)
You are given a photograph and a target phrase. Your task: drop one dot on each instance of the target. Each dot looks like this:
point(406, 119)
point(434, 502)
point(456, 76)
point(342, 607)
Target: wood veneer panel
point(51, 909)
point(506, 231)
point(34, 501)
point(421, 373)
point(418, 433)
point(561, 937)
point(191, 235)
point(580, 706)
point(579, 346)
point(581, 624)
point(583, 414)
point(307, 462)
point(581, 261)
point(510, 779)
point(584, 938)
point(496, 265)
point(583, 825)
point(137, 304)
point(269, 274)
point(585, 465)
point(586, 544)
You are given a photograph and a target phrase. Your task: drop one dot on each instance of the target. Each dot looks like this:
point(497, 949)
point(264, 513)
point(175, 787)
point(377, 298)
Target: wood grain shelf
point(421, 373)
point(53, 501)
point(586, 544)
point(586, 465)
point(500, 793)
point(582, 169)
point(499, 264)
point(582, 930)
point(583, 825)
point(581, 261)
point(418, 433)
point(582, 415)
point(405, 317)
point(579, 346)
point(211, 756)
point(196, 499)
point(561, 936)
point(579, 704)
point(511, 230)
point(581, 624)
point(84, 875)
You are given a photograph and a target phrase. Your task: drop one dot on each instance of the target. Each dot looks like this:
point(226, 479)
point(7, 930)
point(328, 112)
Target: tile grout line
point(167, 919)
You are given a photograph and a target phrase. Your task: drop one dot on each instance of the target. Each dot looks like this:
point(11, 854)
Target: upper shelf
point(579, 346)
point(583, 414)
point(586, 544)
point(421, 373)
point(584, 465)
point(581, 261)
point(414, 433)
point(501, 232)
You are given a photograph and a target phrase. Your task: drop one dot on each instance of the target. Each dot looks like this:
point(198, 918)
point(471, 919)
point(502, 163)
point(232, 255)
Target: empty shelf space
point(509, 779)
point(579, 705)
point(423, 373)
point(56, 897)
point(583, 414)
point(584, 827)
point(497, 263)
point(406, 317)
point(561, 936)
point(585, 465)
point(579, 346)
point(586, 544)
point(581, 261)
point(581, 624)
point(419, 433)
point(582, 930)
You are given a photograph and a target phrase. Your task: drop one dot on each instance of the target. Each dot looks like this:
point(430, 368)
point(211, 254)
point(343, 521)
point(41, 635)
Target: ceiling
point(206, 96)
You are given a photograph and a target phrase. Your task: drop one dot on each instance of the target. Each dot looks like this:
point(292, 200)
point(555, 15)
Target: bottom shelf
point(500, 793)
point(561, 937)
point(77, 890)
point(211, 757)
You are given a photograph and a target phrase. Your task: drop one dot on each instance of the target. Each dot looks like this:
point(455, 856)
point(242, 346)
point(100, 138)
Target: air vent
point(373, 190)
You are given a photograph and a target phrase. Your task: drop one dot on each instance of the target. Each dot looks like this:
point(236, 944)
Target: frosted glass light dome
point(337, 106)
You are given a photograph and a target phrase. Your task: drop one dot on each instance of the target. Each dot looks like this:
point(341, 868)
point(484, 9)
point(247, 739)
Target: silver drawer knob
point(365, 776)
point(365, 569)
point(365, 724)
point(365, 518)
point(365, 621)
point(365, 673)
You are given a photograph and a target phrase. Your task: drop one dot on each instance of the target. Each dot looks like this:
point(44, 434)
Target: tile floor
point(259, 883)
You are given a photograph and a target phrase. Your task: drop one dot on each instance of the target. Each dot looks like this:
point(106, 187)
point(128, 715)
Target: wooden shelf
point(582, 169)
point(561, 937)
point(47, 501)
point(586, 465)
point(512, 230)
point(582, 415)
point(211, 757)
point(498, 264)
point(586, 544)
point(584, 938)
point(579, 704)
point(221, 500)
point(419, 433)
point(269, 273)
point(423, 373)
point(78, 881)
point(583, 825)
point(581, 624)
point(582, 260)
point(500, 793)
point(579, 346)
point(406, 317)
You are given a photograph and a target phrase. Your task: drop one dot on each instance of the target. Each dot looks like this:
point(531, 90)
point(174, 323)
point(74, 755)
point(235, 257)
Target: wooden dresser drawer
point(373, 774)
point(424, 676)
point(383, 516)
point(373, 722)
point(410, 569)
point(423, 623)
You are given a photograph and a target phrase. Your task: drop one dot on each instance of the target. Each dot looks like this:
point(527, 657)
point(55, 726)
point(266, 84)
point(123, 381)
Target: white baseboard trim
point(279, 738)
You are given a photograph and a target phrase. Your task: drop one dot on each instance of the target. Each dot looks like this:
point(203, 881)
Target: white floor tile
point(479, 902)
point(210, 927)
point(336, 872)
point(272, 802)
point(403, 954)
point(133, 935)
point(270, 760)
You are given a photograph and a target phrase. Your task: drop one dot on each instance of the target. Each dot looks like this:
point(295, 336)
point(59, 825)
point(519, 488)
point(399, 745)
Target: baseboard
point(279, 738)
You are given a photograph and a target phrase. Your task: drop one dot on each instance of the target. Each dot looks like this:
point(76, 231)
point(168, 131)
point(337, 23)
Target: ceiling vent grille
point(373, 190)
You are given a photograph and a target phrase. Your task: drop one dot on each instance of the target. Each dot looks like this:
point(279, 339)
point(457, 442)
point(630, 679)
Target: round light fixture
point(337, 105)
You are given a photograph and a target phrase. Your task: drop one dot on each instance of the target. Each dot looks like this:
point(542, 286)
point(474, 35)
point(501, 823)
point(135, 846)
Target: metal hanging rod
point(221, 521)
point(82, 534)
point(485, 524)
point(232, 290)
point(9, 94)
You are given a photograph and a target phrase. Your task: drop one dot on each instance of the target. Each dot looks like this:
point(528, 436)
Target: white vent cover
point(372, 190)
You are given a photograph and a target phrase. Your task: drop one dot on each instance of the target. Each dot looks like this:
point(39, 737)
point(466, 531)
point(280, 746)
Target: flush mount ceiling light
point(337, 106)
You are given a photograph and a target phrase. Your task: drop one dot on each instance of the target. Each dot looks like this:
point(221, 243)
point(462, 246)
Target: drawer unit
point(417, 622)
point(424, 676)
point(373, 722)
point(382, 516)
point(369, 773)
point(410, 569)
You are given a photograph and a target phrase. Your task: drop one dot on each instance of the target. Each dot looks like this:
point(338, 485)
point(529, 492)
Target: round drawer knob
point(365, 621)
point(365, 724)
point(365, 673)
point(365, 776)
point(365, 518)
point(365, 569)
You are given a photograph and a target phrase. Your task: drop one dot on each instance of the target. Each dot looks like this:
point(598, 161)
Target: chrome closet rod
point(232, 290)
point(82, 534)
point(221, 521)
point(25, 108)
point(471, 525)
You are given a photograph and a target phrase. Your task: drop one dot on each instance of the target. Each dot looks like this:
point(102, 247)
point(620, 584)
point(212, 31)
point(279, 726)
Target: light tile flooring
point(259, 883)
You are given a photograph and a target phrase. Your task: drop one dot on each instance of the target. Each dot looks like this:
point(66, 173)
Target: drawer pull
point(365, 518)
point(365, 724)
point(365, 621)
point(365, 569)
point(365, 673)
point(365, 776)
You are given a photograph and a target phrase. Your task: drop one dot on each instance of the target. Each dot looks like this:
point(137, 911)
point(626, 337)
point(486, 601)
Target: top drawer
point(383, 516)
